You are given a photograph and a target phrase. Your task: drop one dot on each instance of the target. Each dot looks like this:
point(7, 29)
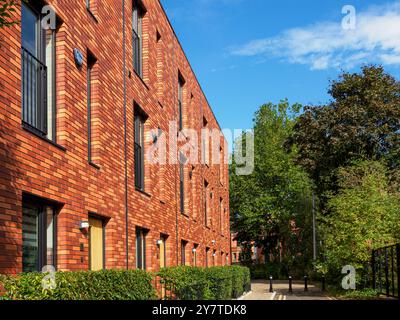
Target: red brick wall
point(30, 164)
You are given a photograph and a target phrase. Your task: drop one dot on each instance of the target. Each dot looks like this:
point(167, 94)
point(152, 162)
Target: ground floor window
point(38, 235)
point(141, 248)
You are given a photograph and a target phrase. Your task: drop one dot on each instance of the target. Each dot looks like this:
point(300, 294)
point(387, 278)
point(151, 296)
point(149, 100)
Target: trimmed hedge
point(84, 285)
point(215, 283)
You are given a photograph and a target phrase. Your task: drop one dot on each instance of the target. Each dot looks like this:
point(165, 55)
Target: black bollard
point(305, 283)
point(323, 283)
point(270, 284)
point(290, 285)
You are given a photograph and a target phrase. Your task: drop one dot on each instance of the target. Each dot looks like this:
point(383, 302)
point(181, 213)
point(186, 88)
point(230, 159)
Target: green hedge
point(215, 283)
point(84, 285)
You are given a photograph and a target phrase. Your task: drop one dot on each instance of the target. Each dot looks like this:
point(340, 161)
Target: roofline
point(190, 66)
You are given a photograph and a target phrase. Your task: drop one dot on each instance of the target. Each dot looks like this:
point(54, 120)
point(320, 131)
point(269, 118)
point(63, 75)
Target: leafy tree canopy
point(265, 203)
point(362, 122)
point(365, 216)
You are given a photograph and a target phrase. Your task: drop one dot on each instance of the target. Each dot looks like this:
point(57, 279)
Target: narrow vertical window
point(195, 247)
point(205, 203)
point(181, 83)
point(205, 143)
point(38, 235)
point(160, 67)
point(163, 252)
point(183, 252)
point(206, 257)
point(38, 54)
point(137, 41)
point(141, 248)
point(182, 161)
point(91, 61)
point(139, 151)
point(221, 216)
point(214, 257)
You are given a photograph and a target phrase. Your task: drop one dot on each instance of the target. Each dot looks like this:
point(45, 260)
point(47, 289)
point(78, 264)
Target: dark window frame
point(39, 58)
point(140, 245)
point(139, 132)
point(182, 161)
point(181, 85)
point(183, 252)
point(91, 62)
point(138, 13)
point(34, 202)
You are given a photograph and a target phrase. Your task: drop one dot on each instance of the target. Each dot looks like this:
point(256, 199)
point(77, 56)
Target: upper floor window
point(182, 161)
point(139, 150)
point(137, 37)
point(181, 83)
point(38, 52)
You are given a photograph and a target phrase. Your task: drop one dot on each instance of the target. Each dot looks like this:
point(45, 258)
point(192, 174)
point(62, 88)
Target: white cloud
point(376, 39)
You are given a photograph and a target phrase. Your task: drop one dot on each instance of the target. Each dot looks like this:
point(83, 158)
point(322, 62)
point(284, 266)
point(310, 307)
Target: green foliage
point(361, 123)
point(215, 283)
point(365, 215)
point(266, 203)
point(101, 285)
point(7, 7)
point(365, 294)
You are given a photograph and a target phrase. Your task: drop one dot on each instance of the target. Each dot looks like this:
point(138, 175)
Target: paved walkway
point(260, 291)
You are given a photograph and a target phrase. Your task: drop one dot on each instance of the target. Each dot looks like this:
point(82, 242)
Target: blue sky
point(249, 52)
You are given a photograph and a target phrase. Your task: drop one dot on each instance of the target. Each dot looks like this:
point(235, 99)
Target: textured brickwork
point(62, 173)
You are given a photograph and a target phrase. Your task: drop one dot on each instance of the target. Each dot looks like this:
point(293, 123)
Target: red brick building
point(83, 98)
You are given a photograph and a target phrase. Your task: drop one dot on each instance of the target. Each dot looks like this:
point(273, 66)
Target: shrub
point(84, 285)
point(215, 283)
point(220, 282)
point(240, 280)
point(187, 283)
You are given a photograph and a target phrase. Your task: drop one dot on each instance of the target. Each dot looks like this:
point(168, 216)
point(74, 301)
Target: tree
point(365, 215)
point(267, 204)
point(362, 122)
point(7, 7)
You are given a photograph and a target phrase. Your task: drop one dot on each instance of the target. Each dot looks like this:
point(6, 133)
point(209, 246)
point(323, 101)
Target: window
point(137, 30)
point(221, 216)
point(38, 235)
point(160, 66)
point(96, 243)
point(206, 257)
point(195, 247)
point(205, 143)
point(91, 61)
point(38, 54)
point(163, 251)
point(141, 248)
point(182, 161)
point(183, 252)
point(181, 83)
point(205, 203)
point(139, 151)
point(214, 257)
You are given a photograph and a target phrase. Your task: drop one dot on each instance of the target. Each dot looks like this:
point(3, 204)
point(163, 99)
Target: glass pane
point(139, 261)
point(50, 236)
point(50, 64)
point(29, 30)
point(30, 239)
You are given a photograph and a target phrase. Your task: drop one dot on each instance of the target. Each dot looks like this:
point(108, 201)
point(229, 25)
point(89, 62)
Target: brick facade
point(61, 172)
